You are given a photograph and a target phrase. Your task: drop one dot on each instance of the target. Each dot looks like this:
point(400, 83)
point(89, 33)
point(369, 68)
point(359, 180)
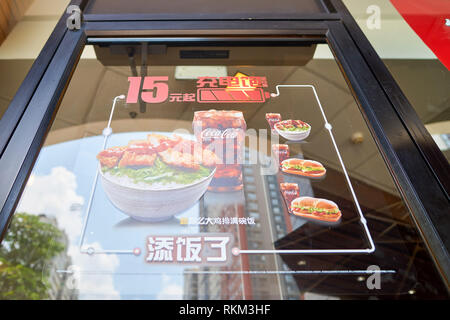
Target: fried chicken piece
point(155, 139)
point(186, 146)
point(137, 142)
point(209, 158)
point(109, 162)
point(201, 156)
point(130, 159)
point(110, 157)
point(179, 159)
point(161, 143)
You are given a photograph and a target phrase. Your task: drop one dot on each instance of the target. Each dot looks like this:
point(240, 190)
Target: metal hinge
point(74, 20)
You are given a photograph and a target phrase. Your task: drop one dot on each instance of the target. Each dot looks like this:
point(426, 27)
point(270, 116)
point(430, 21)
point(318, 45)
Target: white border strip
point(234, 272)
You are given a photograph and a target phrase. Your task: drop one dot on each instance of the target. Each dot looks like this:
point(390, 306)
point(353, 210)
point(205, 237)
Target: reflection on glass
point(126, 186)
point(413, 56)
point(32, 244)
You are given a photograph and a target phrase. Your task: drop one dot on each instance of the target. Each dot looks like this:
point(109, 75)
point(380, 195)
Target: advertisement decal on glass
point(223, 133)
point(199, 249)
point(237, 89)
point(305, 168)
point(138, 178)
point(280, 152)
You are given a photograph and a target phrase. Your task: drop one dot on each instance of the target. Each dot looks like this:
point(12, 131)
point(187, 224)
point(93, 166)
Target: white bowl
point(294, 136)
point(153, 205)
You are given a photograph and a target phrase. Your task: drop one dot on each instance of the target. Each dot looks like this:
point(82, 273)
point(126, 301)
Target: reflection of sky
point(109, 227)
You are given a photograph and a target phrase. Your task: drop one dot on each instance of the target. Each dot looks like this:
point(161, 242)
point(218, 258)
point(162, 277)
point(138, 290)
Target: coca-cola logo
point(290, 192)
point(214, 133)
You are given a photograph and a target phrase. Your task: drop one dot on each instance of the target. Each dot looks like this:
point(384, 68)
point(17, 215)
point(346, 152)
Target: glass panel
point(162, 177)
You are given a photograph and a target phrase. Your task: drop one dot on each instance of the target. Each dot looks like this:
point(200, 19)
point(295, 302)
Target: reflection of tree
point(29, 245)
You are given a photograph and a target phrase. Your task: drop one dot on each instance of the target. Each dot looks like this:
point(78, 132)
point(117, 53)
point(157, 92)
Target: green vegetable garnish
point(304, 169)
point(159, 173)
point(293, 129)
point(312, 209)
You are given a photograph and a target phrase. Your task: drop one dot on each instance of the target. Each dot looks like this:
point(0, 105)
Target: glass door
point(204, 170)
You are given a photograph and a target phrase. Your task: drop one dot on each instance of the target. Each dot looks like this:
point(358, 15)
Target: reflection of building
point(269, 226)
point(58, 282)
point(275, 227)
point(220, 282)
point(281, 224)
point(398, 249)
point(190, 290)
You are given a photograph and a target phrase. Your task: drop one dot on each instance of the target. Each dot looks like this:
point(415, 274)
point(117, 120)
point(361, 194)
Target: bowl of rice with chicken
point(157, 178)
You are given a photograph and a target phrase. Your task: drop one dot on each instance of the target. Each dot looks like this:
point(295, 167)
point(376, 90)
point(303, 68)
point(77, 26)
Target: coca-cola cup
point(280, 152)
point(223, 132)
point(272, 119)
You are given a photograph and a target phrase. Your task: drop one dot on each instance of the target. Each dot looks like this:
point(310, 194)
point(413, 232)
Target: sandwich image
point(314, 208)
point(307, 168)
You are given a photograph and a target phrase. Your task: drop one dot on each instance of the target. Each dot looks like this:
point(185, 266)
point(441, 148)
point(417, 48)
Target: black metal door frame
point(417, 165)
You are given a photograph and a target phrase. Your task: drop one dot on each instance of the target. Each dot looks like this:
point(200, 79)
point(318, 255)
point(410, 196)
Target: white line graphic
point(90, 250)
point(363, 220)
point(233, 272)
point(108, 131)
